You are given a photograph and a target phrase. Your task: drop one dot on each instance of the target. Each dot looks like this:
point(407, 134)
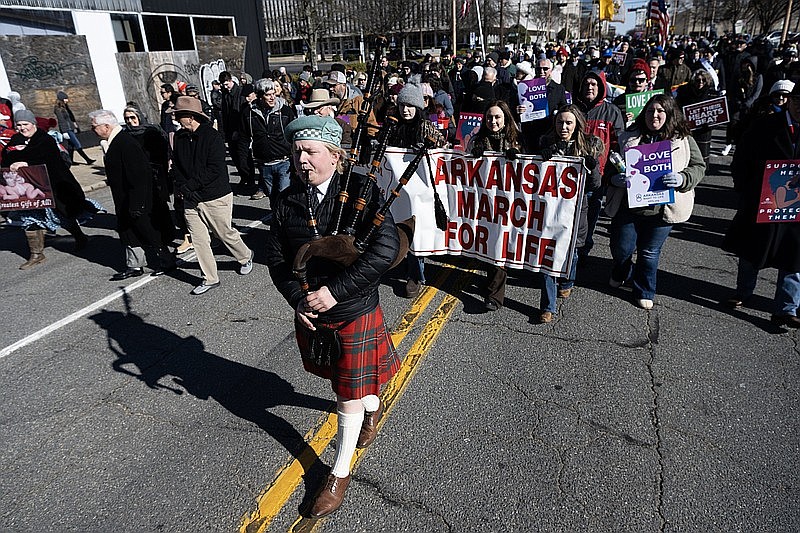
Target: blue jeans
point(552, 284)
point(645, 235)
point(787, 288)
point(73, 140)
point(415, 268)
point(594, 200)
point(274, 177)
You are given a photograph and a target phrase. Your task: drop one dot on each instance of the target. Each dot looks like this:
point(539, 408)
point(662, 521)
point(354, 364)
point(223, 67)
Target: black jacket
point(232, 103)
point(266, 129)
point(765, 245)
point(354, 287)
point(41, 149)
point(532, 131)
point(200, 171)
point(142, 216)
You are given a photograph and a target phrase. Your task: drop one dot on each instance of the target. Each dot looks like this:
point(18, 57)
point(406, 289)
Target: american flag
point(658, 13)
point(464, 9)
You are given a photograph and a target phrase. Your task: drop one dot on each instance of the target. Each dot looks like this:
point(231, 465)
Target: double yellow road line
point(287, 478)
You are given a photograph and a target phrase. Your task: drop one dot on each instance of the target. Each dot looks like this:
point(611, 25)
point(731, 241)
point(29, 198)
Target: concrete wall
point(97, 28)
point(217, 54)
point(143, 73)
point(38, 66)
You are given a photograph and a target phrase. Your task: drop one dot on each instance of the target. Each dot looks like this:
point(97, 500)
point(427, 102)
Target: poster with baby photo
point(25, 188)
point(646, 166)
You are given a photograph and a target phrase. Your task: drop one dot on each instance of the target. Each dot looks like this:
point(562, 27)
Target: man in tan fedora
point(201, 177)
point(324, 104)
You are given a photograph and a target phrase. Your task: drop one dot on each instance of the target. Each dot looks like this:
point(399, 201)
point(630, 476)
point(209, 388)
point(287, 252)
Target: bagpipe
point(349, 238)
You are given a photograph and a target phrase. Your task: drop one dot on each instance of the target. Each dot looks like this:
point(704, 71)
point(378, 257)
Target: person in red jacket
point(605, 121)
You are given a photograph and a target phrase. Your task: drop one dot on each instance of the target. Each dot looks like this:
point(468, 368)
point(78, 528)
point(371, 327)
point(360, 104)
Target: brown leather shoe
point(331, 496)
point(369, 428)
point(564, 293)
point(546, 317)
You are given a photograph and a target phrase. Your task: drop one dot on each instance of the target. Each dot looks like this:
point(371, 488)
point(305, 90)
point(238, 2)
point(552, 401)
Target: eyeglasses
point(95, 126)
point(542, 68)
point(640, 80)
point(131, 117)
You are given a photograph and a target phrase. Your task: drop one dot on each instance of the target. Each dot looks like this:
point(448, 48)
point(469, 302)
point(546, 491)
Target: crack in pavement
point(653, 328)
point(401, 502)
point(645, 343)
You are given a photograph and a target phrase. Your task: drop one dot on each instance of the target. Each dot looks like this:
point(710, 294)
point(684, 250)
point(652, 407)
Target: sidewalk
point(91, 177)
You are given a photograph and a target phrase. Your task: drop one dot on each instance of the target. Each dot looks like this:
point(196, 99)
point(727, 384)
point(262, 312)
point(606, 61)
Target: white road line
point(8, 350)
point(74, 316)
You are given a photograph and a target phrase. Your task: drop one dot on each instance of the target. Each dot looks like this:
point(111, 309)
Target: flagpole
point(453, 43)
point(480, 29)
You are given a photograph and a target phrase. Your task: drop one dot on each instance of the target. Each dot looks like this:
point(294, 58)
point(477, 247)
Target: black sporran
point(324, 345)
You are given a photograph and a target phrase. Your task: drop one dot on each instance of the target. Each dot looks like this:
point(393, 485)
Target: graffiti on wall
point(33, 68)
point(208, 73)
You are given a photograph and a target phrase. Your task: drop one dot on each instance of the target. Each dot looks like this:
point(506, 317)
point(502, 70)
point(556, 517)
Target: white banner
point(520, 213)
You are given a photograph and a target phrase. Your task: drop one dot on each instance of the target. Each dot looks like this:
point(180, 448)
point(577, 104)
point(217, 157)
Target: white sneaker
point(246, 268)
point(645, 303)
point(727, 149)
point(203, 288)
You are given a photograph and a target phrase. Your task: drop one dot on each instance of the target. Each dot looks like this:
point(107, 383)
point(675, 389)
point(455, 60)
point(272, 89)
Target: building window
point(157, 32)
point(213, 26)
point(127, 33)
point(181, 30)
point(35, 22)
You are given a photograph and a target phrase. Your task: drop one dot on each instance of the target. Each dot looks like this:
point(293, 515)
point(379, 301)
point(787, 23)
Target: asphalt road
point(161, 411)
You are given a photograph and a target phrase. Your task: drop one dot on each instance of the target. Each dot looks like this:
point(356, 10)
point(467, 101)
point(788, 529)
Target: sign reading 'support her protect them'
point(646, 166)
point(26, 188)
point(468, 126)
point(711, 112)
point(520, 213)
point(533, 97)
point(780, 192)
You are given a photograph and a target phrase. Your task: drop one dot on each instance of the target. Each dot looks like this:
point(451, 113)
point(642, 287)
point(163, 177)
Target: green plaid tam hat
point(314, 128)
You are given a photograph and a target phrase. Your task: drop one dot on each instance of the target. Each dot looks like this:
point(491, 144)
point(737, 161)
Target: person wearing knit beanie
point(24, 115)
point(641, 64)
point(412, 129)
point(781, 87)
point(68, 126)
point(411, 95)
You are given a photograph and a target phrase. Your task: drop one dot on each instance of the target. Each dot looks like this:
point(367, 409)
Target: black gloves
point(512, 153)
point(477, 149)
point(589, 162)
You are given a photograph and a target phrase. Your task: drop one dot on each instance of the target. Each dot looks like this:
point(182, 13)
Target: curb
point(94, 186)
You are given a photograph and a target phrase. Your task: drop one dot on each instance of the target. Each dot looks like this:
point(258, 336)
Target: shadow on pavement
point(150, 353)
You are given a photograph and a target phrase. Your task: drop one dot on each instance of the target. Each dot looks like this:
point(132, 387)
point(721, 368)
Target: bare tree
point(732, 10)
point(312, 22)
point(767, 12)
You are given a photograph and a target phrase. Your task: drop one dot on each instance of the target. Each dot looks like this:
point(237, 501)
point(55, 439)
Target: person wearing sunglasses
point(638, 81)
point(533, 131)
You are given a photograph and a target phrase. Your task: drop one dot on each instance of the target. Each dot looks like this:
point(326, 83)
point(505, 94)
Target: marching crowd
point(287, 134)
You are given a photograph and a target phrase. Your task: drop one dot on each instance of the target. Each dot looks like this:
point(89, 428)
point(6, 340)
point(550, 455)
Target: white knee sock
point(371, 403)
point(346, 438)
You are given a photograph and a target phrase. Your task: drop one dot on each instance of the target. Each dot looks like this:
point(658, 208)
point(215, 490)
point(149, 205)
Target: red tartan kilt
point(368, 360)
